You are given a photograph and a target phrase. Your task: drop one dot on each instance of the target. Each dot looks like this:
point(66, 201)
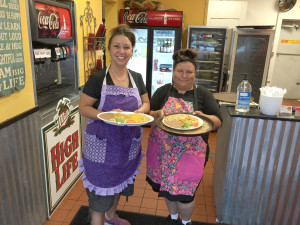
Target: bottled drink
point(158, 46)
point(243, 95)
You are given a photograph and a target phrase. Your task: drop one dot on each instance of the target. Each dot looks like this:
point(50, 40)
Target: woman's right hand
point(158, 113)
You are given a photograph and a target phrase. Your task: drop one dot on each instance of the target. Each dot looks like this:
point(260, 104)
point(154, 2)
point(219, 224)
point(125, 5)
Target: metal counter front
point(256, 176)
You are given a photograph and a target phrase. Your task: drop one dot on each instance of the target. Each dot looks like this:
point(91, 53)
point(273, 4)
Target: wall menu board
point(12, 72)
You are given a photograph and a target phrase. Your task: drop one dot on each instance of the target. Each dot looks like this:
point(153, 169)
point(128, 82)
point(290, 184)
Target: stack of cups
point(271, 100)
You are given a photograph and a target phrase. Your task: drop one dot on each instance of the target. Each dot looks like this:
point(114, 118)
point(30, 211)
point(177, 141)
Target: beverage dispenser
point(54, 50)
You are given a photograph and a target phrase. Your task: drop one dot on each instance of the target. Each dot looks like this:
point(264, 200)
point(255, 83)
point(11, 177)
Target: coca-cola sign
point(164, 18)
point(133, 17)
point(48, 22)
point(151, 18)
point(53, 22)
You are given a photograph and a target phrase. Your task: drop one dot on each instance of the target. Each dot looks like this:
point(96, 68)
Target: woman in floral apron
point(175, 163)
point(111, 154)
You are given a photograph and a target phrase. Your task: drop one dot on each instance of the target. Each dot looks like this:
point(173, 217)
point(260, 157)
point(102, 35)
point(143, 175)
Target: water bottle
point(243, 95)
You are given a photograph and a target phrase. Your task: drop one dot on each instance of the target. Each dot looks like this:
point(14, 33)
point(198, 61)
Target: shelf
point(93, 43)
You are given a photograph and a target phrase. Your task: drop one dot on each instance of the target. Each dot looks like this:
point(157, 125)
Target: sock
point(174, 216)
point(184, 222)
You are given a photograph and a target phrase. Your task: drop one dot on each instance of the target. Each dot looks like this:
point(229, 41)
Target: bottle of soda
point(243, 95)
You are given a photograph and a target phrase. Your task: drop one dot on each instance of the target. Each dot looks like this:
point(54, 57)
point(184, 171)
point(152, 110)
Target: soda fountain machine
point(54, 50)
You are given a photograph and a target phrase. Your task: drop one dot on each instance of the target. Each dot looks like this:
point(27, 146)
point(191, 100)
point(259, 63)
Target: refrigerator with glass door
point(158, 36)
point(209, 43)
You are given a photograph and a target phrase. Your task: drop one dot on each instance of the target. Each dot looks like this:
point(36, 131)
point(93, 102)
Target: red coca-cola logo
point(50, 22)
point(131, 17)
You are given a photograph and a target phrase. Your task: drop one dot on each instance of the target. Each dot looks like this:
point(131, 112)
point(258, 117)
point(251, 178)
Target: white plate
point(100, 116)
point(200, 121)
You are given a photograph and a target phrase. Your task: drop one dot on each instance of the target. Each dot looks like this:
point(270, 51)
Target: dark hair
point(122, 29)
point(184, 55)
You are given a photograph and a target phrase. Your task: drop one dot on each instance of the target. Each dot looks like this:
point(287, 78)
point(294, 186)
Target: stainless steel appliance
point(250, 53)
point(209, 42)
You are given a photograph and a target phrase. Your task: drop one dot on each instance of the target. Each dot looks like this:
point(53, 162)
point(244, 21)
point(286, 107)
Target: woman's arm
point(86, 107)
point(145, 108)
point(215, 119)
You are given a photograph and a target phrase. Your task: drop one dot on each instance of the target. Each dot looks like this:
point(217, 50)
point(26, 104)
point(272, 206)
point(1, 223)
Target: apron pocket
point(152, 154)
point(190, 167)
point(94, 149)
point(135, 147)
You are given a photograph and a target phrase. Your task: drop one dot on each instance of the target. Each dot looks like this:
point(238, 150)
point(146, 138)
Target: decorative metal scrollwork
point(91, 44)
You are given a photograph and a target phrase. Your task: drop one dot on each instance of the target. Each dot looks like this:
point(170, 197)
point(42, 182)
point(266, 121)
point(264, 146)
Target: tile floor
point(144, 199)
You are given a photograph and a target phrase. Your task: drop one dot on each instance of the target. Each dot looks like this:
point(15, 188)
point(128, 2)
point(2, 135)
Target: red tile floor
point(144, 199)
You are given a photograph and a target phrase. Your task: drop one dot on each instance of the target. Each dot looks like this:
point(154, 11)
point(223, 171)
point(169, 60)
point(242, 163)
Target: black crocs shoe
point(172, 222)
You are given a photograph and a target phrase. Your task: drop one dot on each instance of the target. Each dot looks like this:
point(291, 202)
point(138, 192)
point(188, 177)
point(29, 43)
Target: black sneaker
point(189, 223)
point(171, 221)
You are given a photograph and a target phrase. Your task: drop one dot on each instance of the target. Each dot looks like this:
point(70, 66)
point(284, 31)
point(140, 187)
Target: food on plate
point(125, 118)
point(182, 121)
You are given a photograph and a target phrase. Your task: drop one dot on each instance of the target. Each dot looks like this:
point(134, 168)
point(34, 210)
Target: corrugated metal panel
point(22, 191)
point(257, 172)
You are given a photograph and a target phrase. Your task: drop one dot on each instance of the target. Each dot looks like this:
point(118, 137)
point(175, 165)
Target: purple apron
point(176, 162)
point(111, 154)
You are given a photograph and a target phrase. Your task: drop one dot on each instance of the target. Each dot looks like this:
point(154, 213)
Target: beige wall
point(24, 100)
point(194, 13)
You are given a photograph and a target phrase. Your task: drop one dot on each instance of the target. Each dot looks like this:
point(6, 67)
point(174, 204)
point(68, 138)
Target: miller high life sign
point(53, 22)
point(62, 150)
point(151, 18)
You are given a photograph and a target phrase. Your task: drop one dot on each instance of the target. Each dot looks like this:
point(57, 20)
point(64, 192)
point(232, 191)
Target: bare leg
point(112, 212)
point(97, 218)
point(186, 209)
point(172, 206)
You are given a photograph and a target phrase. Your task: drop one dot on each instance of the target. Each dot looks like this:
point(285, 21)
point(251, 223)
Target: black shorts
point(167, 195)
point(100, 203)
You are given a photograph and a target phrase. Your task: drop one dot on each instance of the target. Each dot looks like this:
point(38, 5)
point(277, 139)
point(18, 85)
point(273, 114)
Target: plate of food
point(125, 118)
point(182, 121)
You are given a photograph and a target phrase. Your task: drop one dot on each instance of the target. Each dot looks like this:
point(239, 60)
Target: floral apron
point(175, 162)
point(111, 154)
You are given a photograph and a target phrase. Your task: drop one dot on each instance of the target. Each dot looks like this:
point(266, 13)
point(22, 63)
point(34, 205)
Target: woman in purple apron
point(111, 154)
point(175, 163)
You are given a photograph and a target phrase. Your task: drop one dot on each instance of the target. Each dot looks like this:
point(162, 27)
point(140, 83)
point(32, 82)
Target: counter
point(256, 178)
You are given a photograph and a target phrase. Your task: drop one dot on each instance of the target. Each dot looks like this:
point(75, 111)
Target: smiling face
point(120, 50)
point(184, 76)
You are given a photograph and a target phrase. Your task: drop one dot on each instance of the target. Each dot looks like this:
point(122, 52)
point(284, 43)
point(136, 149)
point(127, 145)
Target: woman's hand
point(116, 110)
point(158, 113)
point(216, 120)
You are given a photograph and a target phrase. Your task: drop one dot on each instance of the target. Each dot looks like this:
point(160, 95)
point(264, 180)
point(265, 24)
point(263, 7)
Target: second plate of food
point(182, 121)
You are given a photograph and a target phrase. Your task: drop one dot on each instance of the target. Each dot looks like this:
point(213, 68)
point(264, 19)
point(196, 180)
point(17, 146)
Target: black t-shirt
point(94, 84)
point(206, 101)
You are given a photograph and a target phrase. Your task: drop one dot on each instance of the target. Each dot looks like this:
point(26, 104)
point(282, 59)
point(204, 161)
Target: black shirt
point(206, 101)
point(94, 84)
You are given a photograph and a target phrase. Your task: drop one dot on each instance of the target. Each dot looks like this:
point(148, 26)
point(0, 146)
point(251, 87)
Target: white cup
point(270, 105)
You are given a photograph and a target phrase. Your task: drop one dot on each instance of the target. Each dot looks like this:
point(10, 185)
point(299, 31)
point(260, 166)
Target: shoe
point(171, 221)
point(189, 223)
point(116, 221)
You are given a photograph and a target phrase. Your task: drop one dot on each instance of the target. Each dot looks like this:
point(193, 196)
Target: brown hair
point(122, 29)
point(184, 55)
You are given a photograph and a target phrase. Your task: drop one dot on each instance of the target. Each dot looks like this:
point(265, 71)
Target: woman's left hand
point(138, 111)
point(198, 113)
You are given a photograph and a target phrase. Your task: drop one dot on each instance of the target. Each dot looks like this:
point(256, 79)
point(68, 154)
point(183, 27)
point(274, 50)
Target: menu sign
point(53, 22)
point(62, 150)
point(12, 72)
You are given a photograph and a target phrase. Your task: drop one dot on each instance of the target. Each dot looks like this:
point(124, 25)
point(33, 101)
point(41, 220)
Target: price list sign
point(12, 72)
